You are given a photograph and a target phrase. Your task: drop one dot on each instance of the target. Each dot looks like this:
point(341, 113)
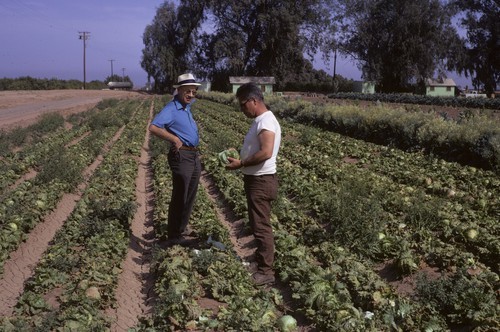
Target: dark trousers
point(260, 192)
point(186, 170)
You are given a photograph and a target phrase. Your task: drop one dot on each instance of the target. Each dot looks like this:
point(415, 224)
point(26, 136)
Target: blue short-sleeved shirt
point(178, 121)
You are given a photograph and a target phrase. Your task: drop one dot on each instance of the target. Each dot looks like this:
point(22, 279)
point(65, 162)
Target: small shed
point(363, 87)
point(205, 86)
point(266, 83)
point(440, 88)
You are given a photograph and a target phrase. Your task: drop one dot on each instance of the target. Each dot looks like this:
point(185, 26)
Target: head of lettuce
point(228, 153)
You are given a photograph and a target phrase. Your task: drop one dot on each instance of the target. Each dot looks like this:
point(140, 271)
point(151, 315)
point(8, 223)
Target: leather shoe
point(188, 232)
point(263, 279)
point(179, 240)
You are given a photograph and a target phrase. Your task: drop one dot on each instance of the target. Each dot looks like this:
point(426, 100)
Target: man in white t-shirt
point(258, 163)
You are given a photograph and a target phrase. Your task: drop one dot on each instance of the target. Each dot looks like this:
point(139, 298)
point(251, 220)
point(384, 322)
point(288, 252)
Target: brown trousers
point(260, 192)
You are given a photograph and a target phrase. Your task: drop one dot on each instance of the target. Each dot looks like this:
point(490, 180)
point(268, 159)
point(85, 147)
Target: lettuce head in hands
point(228, 153)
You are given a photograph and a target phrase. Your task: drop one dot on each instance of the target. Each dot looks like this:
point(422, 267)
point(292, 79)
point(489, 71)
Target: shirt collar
point(179, 106)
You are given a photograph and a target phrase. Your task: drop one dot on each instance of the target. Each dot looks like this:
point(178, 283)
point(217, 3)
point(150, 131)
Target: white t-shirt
point(251, 144)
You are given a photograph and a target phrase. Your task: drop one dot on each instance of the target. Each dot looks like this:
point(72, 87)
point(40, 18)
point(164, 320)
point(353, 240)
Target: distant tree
point(481, 19)
point(95, 85)
point(313, 80)
point(398, 43)
point(261, 38)
point(216, 39)
point(168, 41)
point(116, 78)
point(31, 83)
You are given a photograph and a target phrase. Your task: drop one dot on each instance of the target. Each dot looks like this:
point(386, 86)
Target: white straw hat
point(186, 79)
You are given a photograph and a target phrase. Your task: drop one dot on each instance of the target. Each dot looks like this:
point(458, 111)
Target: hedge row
point(482, 103)
point(31, 83)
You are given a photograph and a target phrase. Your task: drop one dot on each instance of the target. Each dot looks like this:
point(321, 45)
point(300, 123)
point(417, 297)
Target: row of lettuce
point(350, 212)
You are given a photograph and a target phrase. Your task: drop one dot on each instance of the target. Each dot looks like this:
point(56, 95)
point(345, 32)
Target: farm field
point(368, 237)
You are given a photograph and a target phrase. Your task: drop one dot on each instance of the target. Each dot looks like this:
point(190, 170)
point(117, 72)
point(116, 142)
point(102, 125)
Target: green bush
point(350, 203)
point(106, 103)
point(482, 103)
point(461, 298)
point(48, 122)
point(59, 166)
point(31, 83)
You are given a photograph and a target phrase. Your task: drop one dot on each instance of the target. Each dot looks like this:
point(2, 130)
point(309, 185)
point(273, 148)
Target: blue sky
point(41, 39)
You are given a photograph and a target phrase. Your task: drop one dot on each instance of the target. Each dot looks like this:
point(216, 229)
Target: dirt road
point(22, 108)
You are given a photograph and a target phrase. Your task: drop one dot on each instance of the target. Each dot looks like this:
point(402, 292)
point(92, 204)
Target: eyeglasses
point(191, 92)
point(244, 103)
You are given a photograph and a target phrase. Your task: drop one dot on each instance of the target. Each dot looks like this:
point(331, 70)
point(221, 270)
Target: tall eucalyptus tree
point(263, 37)
point(168, 41)
point(399, 43)
point(481, 19)
point(219, 38)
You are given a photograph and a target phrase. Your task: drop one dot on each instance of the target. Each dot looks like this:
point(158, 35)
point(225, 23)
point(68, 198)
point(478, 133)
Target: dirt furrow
point(241, 238)
point(77, 140)
point(22, 262)
point(135, 283)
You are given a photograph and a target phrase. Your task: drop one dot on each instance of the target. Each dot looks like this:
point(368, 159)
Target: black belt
point(188, 148)
point(259, 176)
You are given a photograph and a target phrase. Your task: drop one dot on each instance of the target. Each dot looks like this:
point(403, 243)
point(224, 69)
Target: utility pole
point(335, 82)
point(111, 77)
point(334, 63)
point(123, 74)
point(84, 35)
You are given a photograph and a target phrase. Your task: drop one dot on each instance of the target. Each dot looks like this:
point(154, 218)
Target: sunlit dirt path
point(135, 283)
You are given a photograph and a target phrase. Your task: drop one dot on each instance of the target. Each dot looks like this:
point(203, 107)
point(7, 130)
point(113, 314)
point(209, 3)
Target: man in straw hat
point(175, 124)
